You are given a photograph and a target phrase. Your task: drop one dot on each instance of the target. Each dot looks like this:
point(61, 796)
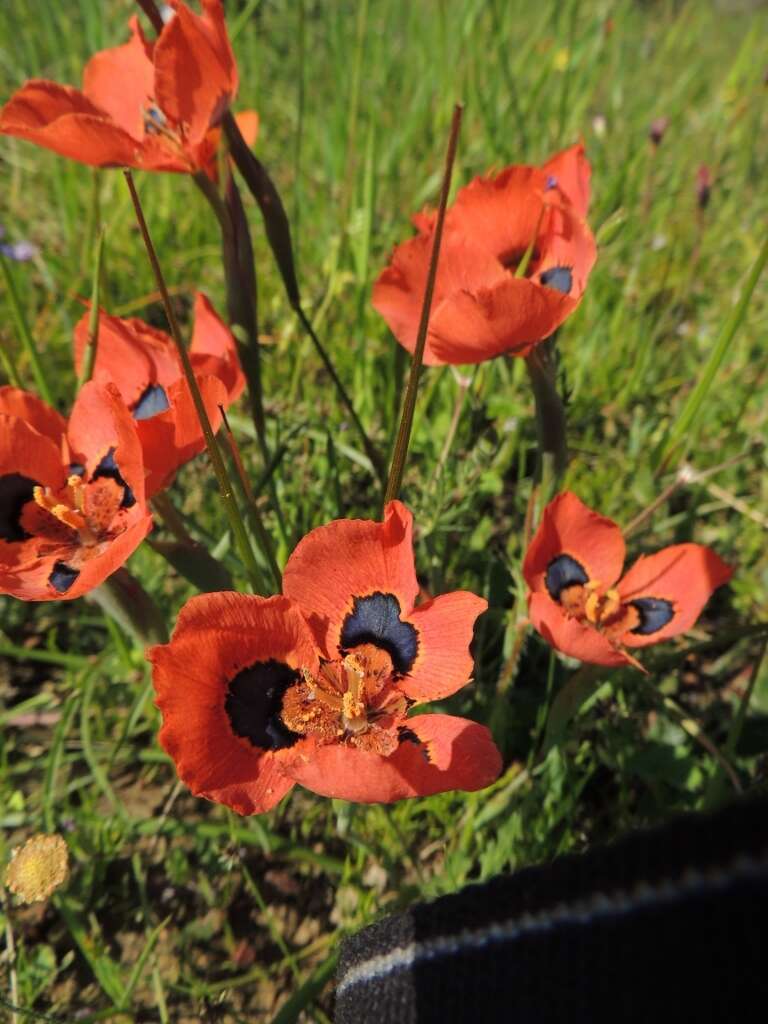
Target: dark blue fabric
point(375, 619)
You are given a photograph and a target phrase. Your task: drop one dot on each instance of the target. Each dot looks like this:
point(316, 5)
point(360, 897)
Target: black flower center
point(254, 701)
point(375, 619)
point(15, 491)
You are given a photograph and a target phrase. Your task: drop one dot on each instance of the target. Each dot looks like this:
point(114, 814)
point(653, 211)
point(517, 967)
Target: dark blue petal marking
point(375, 619)
point(563, 572)
point(406, 735)
point(655, 613)
point(153, 401)
point(559, 278)
point(551, 182)
point(76, 469)
point(62, 577)
point(254, 701)
point(108, 467)
point(15, 492)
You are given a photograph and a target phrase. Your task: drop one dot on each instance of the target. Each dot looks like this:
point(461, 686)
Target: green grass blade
point(682, 434)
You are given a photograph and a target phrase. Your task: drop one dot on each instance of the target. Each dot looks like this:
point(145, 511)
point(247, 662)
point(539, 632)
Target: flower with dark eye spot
point(144, 365)
point(514, 263)
point(316, 686)
point(580, 605)
point(72, 502)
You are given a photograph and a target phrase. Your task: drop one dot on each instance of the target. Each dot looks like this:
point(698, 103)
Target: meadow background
point(179, 911)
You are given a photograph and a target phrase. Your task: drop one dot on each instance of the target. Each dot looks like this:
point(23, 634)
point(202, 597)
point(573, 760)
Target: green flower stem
point(123, 598)
point(240, 282)
point(92, 341)
point(550, 417)
point(225, 486)
point(409, 402)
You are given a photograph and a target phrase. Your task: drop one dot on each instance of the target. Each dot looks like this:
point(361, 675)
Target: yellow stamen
point(72, 518)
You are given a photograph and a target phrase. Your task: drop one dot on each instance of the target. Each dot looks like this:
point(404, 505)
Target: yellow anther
point(592, 608)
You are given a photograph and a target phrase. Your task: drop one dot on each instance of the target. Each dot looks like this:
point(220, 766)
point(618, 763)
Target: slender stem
point(550, 416)
point(164, 507)
point(92, 341)
point(150, 9)
point(123, 598)
point(26, 336)
point(371, 451)
point(252, 507)
point(9, 367)
point(10, 949)
point(240, 280)
point(225, 486)
point(409, 403)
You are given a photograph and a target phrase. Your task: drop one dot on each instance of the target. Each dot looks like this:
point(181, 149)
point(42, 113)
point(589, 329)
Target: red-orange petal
point(465, 266)
point(127, 356)
point(568, 527)
point(443, 663)
point(100, 421)
point(510, 317)
point(34, 411)
point(29, 453)
point(62, 119)
point(448, 753)
point(213, 349)
point(120, 81)
point(351, 558)
point(195, 71)
point(501, 211)
point(685, 575)
point(216, 637)
point(171, 438)
point(571, 169)
point(569, 636)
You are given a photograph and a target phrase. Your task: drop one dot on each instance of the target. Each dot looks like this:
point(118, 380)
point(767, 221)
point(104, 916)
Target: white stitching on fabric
point(599, 905)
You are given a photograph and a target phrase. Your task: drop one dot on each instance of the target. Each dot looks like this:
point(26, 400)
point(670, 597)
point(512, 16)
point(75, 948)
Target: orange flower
point(153, 105)
point(480, 308)
point(315, 686)
point(144, 365)
point(572, 567)
point(72, 506)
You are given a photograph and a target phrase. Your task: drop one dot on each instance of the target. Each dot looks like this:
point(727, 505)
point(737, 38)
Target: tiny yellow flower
point(37, 868)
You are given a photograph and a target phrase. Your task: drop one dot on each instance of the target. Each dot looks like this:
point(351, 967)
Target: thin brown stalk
point(225, 487)
point(252, 506)
point(409, 403)
point(150, 9)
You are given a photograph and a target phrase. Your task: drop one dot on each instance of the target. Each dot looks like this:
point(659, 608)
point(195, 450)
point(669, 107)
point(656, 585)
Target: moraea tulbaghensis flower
point(584, 607)
point(155, 105)
point(72, 506)
point(314, 687)
point(482, 307)
point(144, 365)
